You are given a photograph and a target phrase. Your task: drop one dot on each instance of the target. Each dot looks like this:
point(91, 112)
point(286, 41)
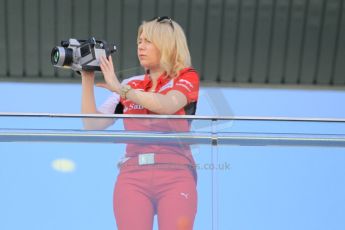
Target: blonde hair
point(170, 39)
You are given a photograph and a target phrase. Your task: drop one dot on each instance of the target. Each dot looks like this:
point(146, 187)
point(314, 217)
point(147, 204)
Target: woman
point(154, 178)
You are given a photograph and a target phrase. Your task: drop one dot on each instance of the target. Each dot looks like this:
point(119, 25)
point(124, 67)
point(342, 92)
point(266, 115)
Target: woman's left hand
point(111, 82)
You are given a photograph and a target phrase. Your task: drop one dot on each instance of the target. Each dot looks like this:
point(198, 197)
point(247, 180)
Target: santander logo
point(135, 107)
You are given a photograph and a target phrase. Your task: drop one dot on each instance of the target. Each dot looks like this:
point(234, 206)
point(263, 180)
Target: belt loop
point(122, 161)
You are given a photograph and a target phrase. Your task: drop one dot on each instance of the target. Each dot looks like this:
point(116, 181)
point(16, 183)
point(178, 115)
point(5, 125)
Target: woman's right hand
point(111, 82)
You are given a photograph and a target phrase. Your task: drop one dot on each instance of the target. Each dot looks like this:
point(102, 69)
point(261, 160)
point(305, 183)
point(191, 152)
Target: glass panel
point(282, 188)
point(56, 175)
point(57, 185)
point(252, 174)
point(283, 174)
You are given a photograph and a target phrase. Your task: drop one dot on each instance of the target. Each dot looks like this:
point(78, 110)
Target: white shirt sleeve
point(109, 105)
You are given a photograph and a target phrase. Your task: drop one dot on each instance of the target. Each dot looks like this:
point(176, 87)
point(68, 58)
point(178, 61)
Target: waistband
point(154, 159)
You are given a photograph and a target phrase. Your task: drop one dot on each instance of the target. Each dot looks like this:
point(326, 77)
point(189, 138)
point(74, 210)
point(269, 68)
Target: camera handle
point(109, 49)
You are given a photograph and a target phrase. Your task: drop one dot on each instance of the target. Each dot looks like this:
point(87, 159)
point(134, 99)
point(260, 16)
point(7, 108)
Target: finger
point(111, 62)
point(108, 60)
point(105, 60)
point(106, 63)
point(101, 61)
point(102, 67)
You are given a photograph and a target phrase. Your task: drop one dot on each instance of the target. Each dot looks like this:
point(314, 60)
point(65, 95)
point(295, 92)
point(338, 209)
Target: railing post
point(214, 178)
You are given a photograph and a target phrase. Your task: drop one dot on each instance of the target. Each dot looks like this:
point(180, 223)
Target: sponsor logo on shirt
point(133, 106)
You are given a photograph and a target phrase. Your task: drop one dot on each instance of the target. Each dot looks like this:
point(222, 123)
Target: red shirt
point(187, 82)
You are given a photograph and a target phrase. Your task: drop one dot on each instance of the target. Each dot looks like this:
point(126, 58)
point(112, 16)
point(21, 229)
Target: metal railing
point(212, 137)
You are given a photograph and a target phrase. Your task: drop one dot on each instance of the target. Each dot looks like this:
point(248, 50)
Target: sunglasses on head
point(164, 19)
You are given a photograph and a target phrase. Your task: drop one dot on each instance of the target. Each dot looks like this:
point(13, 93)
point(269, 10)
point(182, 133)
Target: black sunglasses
point(164, 19)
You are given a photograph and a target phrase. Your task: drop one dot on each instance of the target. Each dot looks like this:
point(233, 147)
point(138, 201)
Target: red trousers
point(143, 191)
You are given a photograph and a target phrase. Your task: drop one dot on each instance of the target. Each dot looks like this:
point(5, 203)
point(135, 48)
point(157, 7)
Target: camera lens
point(61, 56)
point(55, 56)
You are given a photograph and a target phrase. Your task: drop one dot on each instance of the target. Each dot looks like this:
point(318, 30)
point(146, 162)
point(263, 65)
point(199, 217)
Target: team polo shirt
point(187, 82)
